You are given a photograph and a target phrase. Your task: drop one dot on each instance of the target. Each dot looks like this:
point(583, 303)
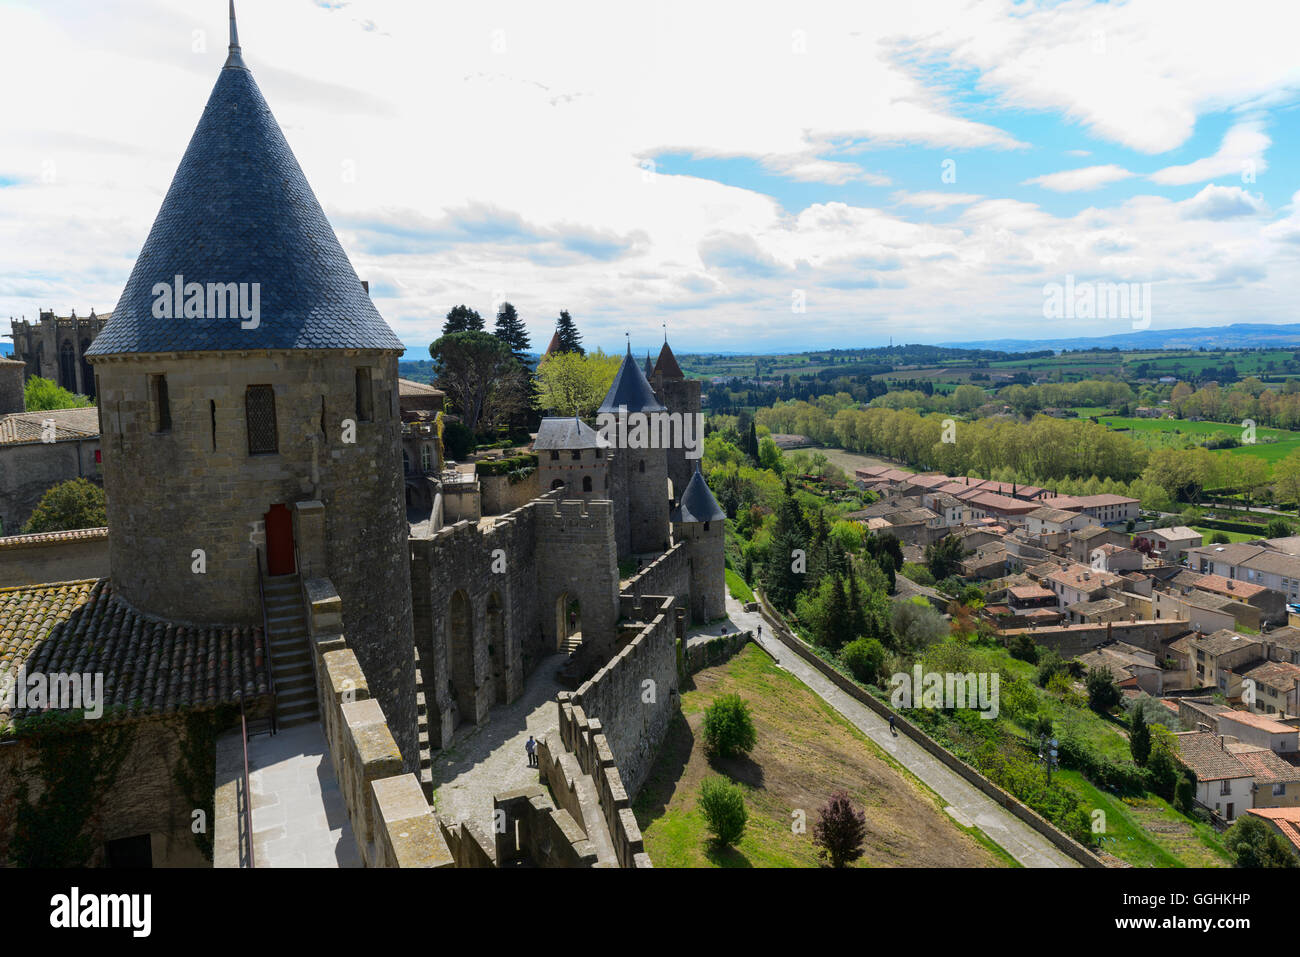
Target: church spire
point(234, 59)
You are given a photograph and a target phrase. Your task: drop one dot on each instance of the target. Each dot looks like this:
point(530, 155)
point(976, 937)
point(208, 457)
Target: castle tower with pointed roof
point(700, 523)
point(248, 405)
point(638, 463)
point(680, 396)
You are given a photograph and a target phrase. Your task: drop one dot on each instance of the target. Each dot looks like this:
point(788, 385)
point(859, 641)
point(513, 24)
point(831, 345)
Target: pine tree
point(838, 618)
point(790, 533)
point(857, 617)
point(462, 319)
point(751, 443)
point(510, 330)
point(570, 338)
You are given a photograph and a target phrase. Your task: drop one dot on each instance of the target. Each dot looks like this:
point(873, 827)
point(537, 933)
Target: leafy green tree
point(510, 329)
point(570, 338)
point(916, 624)
point(76, 503)
point(474, 369)
point(1139, 738)
point(840, 831)
point(729, 727)
point(462, 319)
point(1279, 528)
point(1050, 664)
point(1254, 844)
point(865, 658)
point(723, 806)
point(1163, 768)
point(573, 383)
point(1103, 692)
point(943, 558)
point(769, 454)
point(42, 395)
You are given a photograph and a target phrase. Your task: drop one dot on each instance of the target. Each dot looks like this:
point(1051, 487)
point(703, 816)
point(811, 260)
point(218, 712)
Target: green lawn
point(805, 751)
point(1271, 444)
point(1146, 831)
point(736, 585)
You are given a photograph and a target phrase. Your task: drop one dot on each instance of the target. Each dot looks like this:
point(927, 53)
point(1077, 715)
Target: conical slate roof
point(698, 503)
point(240, 210)
point(667, 366)
point(630, 390)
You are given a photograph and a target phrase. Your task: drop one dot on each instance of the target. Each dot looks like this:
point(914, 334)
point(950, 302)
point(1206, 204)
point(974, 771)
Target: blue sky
point(759, 176)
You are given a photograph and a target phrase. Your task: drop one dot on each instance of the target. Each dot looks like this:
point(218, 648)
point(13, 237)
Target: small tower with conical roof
point(248, 400)
point(681, 397)
point(638, 465)
point(700, 524)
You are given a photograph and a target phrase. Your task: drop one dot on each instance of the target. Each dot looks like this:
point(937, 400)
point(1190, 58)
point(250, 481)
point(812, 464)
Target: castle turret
point(248, 396)
point(639, 472)
point(700, 523)
point(681, 397)
point(573, 456)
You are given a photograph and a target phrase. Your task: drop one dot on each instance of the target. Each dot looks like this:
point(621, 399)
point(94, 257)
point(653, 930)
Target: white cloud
point(1240, 154)
point(935, 199)
point(1074, 180)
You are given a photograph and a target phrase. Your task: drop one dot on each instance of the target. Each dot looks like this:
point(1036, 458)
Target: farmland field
point(1270, 445)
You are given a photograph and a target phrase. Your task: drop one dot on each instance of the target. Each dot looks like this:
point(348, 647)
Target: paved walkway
point(299, 817)
point(491, 759)
point(965, 803)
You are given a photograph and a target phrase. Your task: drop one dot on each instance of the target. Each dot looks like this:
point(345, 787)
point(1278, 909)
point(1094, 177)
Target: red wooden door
point(279, 541)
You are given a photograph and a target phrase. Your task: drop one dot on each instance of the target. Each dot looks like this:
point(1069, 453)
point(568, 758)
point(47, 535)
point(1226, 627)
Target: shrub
point(865, 659)
point(1023, 647)
point(840, 830)
point(457, 440)
point(723, 806)
point(76, 503)
point(1103, 693)
point(1050, 665)
point(917, 573)
point(729, 727)
point(1254, 844)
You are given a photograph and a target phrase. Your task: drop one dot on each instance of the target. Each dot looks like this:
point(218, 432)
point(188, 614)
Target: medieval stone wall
point(635, 695)
point(30, 469)
point(34, 560)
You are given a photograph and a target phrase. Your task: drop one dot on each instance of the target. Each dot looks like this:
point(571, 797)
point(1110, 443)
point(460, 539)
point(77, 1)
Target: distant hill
point(1237, 336)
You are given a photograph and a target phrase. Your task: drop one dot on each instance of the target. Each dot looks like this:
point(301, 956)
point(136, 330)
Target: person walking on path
point(531, 748)
point(891, 726)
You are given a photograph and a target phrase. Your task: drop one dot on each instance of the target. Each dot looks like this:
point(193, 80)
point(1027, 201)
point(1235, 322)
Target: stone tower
point(681, 396)
point(700, 524)
point(250, 418)
point(639, 472)
point(11, 385)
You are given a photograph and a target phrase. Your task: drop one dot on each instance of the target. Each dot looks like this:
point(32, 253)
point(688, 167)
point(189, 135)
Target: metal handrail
point(268, 660)
point(248, 792)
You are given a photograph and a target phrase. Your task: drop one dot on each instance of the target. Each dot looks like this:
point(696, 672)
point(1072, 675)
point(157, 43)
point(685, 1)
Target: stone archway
point(568, 623)
point(460, 652)
point(496, 642)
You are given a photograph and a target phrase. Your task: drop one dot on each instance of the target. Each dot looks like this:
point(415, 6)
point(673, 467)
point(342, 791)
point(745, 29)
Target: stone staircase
point(295, 680)
point(422, 732)
point(572, 643)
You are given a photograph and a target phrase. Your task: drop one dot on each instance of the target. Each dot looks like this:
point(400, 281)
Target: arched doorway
point(496, 639)
point(460, 649)
point(557, 483)
point(568, 624)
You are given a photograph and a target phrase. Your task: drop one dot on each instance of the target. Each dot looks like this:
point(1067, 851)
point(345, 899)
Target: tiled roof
point(1228, 586)
point(1277, 674)
point(1205, 754)
point(1267, 767)
point(240, 210)
point(19, 427)
point(1285, 819)
point(630, 390)
point(411, 387)
point(149, 666)
point(1223, 641)
point(1261, 722)
point(50, 538)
